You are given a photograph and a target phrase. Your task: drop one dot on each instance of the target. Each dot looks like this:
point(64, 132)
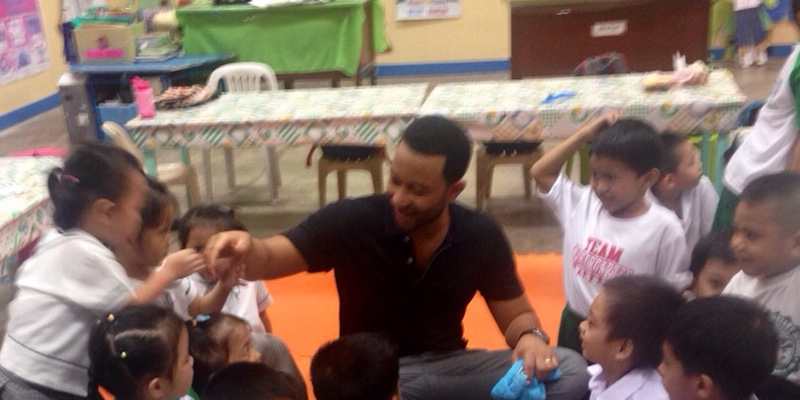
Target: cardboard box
point(107, 42)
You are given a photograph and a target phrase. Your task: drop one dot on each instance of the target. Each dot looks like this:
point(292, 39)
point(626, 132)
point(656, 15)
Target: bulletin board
point(23, 47)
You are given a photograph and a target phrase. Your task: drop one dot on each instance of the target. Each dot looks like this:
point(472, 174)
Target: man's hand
point(538, 357)
point(233, 244)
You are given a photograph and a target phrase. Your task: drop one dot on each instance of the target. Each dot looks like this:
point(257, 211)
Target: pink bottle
point(143, 94)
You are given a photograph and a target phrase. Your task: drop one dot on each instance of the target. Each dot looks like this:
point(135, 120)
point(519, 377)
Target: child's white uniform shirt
point(599, 246)
point(780, 295)
point(767, 148)
point(69, 282)
point(745, 4)
point(639, 384)
point(245, 301)
point(176, 297)
point(698, 206)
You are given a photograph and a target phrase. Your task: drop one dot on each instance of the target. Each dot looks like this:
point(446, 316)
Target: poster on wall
point(427, 9)
point(23, 47)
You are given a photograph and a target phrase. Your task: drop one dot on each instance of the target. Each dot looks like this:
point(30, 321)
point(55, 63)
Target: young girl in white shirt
point(73, 277)
point(147, 255)
point(140, 353)
point(623, 334)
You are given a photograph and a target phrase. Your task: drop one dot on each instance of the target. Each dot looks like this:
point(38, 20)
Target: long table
point(331, 40)
point(25, 206)
point(516, 110)
point(355, 115)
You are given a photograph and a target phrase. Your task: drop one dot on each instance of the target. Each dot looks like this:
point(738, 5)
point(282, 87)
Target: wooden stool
point(372, 164)
point(485, 163)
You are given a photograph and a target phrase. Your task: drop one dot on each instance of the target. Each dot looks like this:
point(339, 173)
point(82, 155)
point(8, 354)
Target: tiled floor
point(527, 222)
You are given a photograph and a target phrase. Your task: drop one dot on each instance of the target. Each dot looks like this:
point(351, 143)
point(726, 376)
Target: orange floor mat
point(306, 307)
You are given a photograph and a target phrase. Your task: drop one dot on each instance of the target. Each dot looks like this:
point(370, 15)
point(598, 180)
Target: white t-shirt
point(745, 4)
point(176, 297)
point(245, 301)
point(767, 148)
point(698, 206)
point(599, 246)
point(780, 295)
point(70, 281)
point(639, 384)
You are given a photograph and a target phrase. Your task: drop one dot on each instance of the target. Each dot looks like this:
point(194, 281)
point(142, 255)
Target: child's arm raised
point(546, 170)
point(214, 300)
point(176, 266)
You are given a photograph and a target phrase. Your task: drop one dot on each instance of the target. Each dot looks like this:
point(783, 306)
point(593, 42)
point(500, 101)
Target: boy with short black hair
point(766, 242)
point(684, 189)
point(623, 334)
point(361, 366)
point(713, 265)
point(610, 228)
point(718, 348)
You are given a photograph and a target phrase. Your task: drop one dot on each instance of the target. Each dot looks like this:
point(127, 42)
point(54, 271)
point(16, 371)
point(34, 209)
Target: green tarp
point(291, 39)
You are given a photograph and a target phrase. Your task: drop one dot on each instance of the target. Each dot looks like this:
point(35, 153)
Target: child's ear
point(795, 249)
point(102, 207)
point(704, 387)
point(154, 389)
point(625, 349)
point(651, 177)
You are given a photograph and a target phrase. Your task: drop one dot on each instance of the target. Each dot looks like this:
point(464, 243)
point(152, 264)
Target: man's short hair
point(632, 142)
point(439, 136)
point(730, 339)
point(361, 366)
point(640, 308)
point(783, 191)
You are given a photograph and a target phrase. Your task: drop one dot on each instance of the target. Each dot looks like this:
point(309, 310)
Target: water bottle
point(143, 94)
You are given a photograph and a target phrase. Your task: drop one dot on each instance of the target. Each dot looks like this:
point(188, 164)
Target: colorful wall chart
point(427, 9)
point(23, 47)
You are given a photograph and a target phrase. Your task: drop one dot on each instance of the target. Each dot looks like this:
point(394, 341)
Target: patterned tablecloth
point(362, 115)
point(514, 110)
point(25, 206)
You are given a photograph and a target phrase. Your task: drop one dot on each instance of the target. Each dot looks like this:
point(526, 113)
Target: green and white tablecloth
point(25, 206)
point(362, 115)
point(513, 110)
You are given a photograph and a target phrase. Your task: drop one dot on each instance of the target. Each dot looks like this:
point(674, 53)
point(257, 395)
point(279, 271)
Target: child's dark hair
point(730, 339)
point(783, 190)
point(714, 245)
point(362, 366)
point(671, 141)
point(209, 346)
point(158, 200)
point(93, 171)
point(214, 216)
point(633, 142)
point(439, 136)
point(251, 381)
point(640, 308)
point(131, 346)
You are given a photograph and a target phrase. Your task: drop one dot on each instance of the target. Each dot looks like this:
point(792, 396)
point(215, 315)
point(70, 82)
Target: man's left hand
point(538, 357)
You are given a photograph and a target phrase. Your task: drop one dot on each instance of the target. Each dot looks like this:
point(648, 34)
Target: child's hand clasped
point(598, 123)
point(184, 262)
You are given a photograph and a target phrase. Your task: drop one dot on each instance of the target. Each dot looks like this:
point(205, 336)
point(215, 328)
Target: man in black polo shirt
point(408, 263)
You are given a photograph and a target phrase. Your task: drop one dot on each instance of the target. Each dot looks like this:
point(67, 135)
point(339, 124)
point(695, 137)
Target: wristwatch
point(535, 331)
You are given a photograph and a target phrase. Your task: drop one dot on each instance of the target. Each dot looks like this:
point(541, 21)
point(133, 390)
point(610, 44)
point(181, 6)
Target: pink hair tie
point(70, 178)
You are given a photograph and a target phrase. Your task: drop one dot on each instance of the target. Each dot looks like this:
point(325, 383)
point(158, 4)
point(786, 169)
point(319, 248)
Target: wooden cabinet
point(548, 38)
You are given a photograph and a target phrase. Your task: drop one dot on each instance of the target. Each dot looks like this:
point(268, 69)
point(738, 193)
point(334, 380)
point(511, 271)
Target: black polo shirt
point(380, 290)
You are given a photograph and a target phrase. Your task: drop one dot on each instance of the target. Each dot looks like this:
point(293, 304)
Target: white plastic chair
point(244, 77)
point(168, 174)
